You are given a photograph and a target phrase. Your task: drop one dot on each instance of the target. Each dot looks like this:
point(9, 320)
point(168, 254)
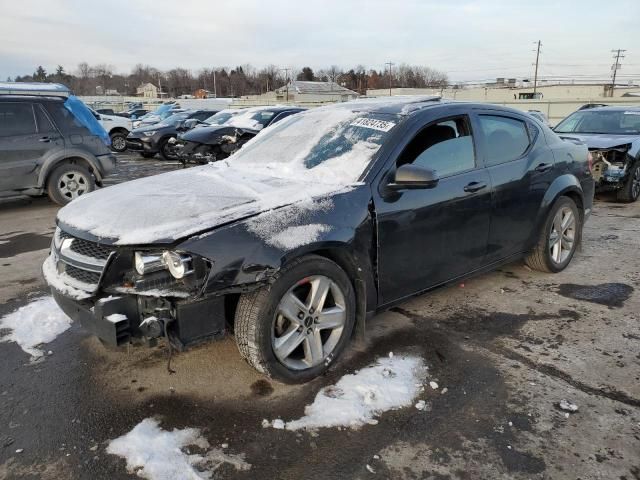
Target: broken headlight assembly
point(167, 270)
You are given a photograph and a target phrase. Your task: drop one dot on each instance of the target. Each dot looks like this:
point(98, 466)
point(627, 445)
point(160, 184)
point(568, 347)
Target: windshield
point(326, 145)
point(614, 122)
point(174, 120)
point(251, 119)
point(220, 117)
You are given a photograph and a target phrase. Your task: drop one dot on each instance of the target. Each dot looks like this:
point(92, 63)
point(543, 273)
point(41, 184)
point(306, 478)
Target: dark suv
point(326, 218)
point(50, 142)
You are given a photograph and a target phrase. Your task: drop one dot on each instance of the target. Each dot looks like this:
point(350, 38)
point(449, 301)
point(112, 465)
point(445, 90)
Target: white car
point(117, 127)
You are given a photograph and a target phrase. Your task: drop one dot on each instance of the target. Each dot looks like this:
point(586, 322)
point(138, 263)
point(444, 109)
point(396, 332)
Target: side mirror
point(411, 177)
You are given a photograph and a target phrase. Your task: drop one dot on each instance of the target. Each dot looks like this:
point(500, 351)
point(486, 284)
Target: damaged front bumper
point(131, 319)
point(611, 167)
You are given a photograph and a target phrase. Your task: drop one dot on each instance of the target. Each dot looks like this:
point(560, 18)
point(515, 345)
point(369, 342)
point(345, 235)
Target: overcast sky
point(469, 40)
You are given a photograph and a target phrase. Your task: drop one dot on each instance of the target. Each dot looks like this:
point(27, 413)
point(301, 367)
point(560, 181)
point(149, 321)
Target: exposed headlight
point(150, 133)
point(146, 263)
point(178, 264)
point(57, 238)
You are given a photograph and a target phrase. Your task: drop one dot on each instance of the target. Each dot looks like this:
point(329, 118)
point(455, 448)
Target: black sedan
point(209, 144)
point(156, 138)
point(323, 220)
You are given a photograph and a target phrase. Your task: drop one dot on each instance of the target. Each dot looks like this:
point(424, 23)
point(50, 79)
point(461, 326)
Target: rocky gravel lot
point(504, 348)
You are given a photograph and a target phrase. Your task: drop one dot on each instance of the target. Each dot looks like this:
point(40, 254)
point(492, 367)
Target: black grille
point(90, 249)
point(83, 276)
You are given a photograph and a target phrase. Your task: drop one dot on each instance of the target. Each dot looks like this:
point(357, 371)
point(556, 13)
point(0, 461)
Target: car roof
point(614, 108)
point(34, 89)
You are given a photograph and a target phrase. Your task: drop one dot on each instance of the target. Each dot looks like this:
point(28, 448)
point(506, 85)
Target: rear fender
point(567, 185)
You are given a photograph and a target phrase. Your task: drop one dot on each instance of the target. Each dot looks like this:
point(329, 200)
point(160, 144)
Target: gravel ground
point(508, 346)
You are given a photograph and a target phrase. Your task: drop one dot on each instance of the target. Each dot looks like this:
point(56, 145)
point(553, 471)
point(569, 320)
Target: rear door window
point(42, 120)
point(16, 119)
point(506, 138)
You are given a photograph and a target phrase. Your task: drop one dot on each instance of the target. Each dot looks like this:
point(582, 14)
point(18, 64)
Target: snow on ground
point(38, 322)
point(157, 454)
point(389, 384)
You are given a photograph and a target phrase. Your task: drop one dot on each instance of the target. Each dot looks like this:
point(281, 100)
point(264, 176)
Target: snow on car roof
point(34, 88)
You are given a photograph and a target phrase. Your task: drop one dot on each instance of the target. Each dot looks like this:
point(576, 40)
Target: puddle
point(609, 294)
point(23, 242)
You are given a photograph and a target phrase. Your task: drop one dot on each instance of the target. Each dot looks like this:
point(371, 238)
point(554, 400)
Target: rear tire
point(279, 333)
point(560, 236)
point(118, 141)
point(68, 181)
point(631, 189)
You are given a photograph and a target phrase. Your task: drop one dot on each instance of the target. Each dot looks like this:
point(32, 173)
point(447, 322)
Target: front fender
point(562, 185)
point(57, 157)
point(249, 252)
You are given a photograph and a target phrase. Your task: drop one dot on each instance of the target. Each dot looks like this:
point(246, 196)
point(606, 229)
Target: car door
point(429, 236)
point(25, 140)
point(521, 167)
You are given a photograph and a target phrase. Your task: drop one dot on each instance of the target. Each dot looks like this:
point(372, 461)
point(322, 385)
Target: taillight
point(590, 162)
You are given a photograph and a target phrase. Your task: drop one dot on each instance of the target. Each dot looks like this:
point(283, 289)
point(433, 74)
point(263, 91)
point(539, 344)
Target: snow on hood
point(603, 140)
point(170, 206)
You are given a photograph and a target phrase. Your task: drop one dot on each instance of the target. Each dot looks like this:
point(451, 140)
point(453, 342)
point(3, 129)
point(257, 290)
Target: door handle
point(544, 167)
point(44, 139)
point(475, 187)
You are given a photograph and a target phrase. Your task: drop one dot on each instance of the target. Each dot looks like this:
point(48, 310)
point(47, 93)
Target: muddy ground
point(508, 346)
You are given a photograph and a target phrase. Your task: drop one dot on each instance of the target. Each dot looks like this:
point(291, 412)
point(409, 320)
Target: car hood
point(603, 140)
point(206, 134)
point(139, 132)
point(172, 206)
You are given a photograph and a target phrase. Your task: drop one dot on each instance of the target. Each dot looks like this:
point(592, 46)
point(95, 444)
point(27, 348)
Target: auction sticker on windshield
point(373, 123)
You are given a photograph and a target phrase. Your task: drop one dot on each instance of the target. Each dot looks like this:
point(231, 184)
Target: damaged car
point(612, 135)
point(209, 144)
point(320, 222)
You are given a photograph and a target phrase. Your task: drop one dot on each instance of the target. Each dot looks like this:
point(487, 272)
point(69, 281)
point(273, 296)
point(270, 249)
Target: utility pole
point(390, 65)
point(618, 55)
point(286, 80)
point(535, 76)
point(215, 91)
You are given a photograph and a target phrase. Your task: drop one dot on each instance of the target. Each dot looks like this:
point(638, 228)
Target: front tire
point(118, 141)
point(166, 150)
point(68, 181)
point(559, 238)
point(292, 329)
point(631, 190)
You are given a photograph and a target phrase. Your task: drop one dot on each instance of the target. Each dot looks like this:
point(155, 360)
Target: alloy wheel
point(72, 184)
point(118, 143)
point(635, 183)
point(309, 322)
point(562, 236)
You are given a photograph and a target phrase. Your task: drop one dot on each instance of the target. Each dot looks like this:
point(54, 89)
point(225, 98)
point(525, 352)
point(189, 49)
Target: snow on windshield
point(251, 118)
point(327, 145)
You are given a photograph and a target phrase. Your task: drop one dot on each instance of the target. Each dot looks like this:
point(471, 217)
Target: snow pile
point(38, 322)
point(157, 454)
point(293, 237)
point(357, 398)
